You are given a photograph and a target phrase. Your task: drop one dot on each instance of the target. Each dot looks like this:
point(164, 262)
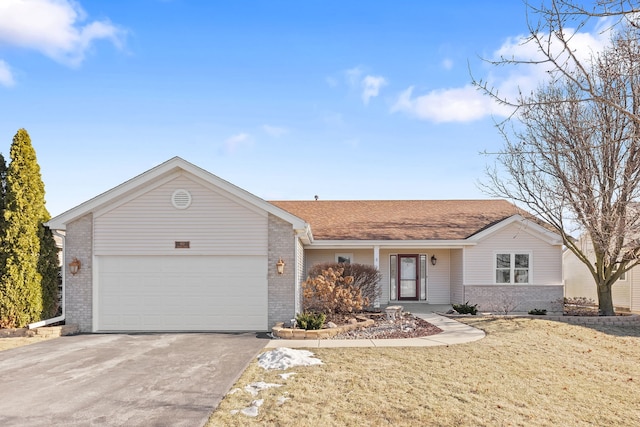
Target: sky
point(285, 99)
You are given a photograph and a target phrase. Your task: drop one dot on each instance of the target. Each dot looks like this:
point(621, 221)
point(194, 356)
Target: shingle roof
point(399, 219)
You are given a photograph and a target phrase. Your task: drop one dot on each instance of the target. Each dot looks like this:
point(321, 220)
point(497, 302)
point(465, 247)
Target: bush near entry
point(366, 278)
point(331, 292)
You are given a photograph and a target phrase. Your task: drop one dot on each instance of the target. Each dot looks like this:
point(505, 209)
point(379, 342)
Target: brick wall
point(78, 288)
point(515, 298)
point(281, 293)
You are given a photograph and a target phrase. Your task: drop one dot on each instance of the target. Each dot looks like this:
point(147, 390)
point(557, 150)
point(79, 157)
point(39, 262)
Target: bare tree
point(571, 152)
point(572, 158)
point(552, 28)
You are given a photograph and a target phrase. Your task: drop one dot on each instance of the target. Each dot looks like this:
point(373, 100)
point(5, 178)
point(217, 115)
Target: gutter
point(386, 244)
point(64, 280)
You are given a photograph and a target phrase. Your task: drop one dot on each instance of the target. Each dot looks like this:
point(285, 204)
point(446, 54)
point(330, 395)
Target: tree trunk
point(605, 300)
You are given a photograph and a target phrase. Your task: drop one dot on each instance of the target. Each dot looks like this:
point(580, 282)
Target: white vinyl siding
point(634, 279)
point(320, 256)
point(439, 288)
point(621, 293)
point(545, 259)
point(579, 283)
point(214, 224)
point(187, 293)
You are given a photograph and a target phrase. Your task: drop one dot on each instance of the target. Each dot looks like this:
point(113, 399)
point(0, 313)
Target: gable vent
point(181, 199)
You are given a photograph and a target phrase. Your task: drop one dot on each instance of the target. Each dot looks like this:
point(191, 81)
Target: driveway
point(121, 380)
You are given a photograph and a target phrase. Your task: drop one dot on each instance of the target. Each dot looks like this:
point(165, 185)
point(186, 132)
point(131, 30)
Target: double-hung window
point(512, 268)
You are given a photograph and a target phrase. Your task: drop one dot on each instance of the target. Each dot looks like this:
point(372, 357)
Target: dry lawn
point(526, 372)
point(8, 343)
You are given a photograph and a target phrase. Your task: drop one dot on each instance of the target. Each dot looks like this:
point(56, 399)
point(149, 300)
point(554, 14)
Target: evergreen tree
point(3, 181)
point(49, 269)
point(21, 283)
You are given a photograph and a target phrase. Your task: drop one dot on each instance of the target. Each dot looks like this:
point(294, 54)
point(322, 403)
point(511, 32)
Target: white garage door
point(181, 293)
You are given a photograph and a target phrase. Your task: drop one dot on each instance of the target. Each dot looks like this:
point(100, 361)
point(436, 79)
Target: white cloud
point(463, 104)
point(353, 76)
point(6, 76)
point(447, 64)
point(235, 141)
point(371, 87)
point(368, 85)
point(274, 131)
point(54, 28)
point(447, 105)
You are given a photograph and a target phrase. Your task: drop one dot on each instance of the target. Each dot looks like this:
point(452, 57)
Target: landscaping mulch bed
point(408, 326)
point(586, 310)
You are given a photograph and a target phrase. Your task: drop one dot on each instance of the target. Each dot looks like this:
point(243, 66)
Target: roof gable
point(525, 225)
point(163, 173)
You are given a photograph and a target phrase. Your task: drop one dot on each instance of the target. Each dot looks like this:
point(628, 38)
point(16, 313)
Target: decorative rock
point(452, 311)
point(331, 325)
point(299, 334)
point(328, 332)
point(352, 321)
point(393, 312)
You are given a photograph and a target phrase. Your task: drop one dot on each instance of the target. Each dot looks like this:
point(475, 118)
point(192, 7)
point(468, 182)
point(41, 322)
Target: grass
point(525, 372)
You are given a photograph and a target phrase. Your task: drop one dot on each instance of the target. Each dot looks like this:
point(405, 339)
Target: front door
point(408, 277)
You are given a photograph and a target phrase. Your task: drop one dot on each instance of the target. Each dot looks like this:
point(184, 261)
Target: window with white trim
point(344, 258)
point(512, 268)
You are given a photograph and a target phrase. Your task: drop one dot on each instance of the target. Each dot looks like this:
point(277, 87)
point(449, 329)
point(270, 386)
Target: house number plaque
point(182, 245)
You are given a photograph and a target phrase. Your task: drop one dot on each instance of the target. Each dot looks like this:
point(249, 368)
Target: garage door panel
point(182, 293)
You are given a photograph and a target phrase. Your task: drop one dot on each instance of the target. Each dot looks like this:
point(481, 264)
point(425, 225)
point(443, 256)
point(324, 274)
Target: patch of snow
point(252, 411)
point(256, 387)
point(233, 391)
point(285, 358)
point(287, 375)
point(281, 400)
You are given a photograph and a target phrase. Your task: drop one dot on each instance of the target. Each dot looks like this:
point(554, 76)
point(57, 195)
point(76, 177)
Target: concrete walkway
point(453, 332)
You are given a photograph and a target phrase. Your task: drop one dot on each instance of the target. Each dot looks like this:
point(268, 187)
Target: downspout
point(64, 280)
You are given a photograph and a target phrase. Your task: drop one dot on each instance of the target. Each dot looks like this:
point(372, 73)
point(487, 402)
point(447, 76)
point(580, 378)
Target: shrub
point(584, 301)
point(466, 308)
point(505, 303)
point(310, 320)
point(538, 312)
point(331, 292)
point(366, 278)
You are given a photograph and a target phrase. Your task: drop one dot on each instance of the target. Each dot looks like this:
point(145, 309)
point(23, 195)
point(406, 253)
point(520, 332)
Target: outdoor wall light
point(74, 266)
point(434, 260)
point(280, 266)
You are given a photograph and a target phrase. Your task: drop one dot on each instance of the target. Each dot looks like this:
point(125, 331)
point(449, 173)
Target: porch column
point(376, 257)
point(376, 264)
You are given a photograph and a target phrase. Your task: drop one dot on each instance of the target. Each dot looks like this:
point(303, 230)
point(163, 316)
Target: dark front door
point(408, 283)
